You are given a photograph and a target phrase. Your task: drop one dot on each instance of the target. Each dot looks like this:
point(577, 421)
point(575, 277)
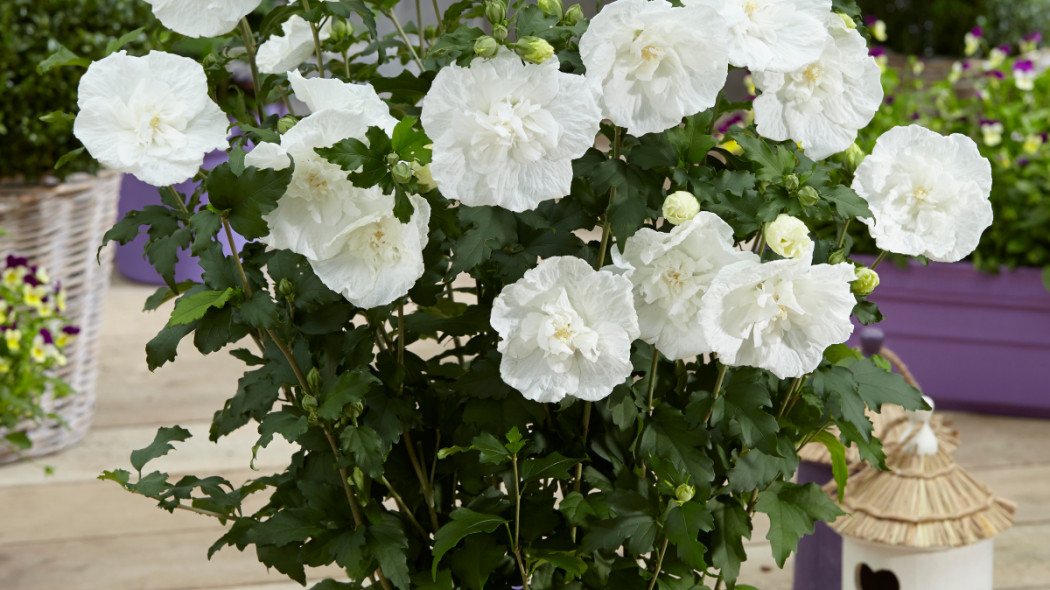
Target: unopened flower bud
point(684, 492)
point(423, 177)
point(341, 29)
point(499, 33)
point(573, 15)
point(392, 159)
point(846, 20)
point(791, 182)
point(285, 289)
point(486, 46)
point(285, 124)
point(866, 282)
point(313, 380)
point(353, 410)
point(788, 236)
point(854, 155)
point(495, 11)
point(209, 60)
point(533, 49)
point(310, 403)
point(808, 195)
point(837, 257)
point(402, 172)
point(551, 8)
point(679, 207)
point(430, 32)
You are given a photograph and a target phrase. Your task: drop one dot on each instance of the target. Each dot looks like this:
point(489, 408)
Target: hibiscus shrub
point(533, 309)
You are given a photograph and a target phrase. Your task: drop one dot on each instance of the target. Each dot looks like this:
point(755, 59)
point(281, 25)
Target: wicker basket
point(60, 228)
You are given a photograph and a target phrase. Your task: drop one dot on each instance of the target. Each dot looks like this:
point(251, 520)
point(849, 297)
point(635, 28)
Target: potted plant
point(532, 311)
point(991, 97)
point(54, 202)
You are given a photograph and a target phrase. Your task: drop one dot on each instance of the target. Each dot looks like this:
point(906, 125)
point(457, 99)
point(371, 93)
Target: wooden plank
point(1029, 487)
point(110, 448)
point(1000, 441)
point(1022, 557)
point(166, 561)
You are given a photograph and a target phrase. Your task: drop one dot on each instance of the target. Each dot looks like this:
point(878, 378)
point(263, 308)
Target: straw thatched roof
point(891, 427)
point(923, 501)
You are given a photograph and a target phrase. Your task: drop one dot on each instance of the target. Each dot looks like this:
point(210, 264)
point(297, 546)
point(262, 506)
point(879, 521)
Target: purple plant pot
point(818, 562)
point(130, 258)
point(974, 341)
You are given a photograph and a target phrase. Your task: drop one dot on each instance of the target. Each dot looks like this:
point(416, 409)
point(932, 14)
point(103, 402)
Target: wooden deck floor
point(69, 531)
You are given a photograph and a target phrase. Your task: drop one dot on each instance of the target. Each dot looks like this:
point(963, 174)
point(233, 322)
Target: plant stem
point(652, 378)
point(203, 511)
point(437, 15)
point(317, 41)
point(717, 389)
point(659, 564)
point(842, 236)
point(517, 524)
point(175, 196)
point(401, 340)
point(882, 256)
point(796, 384)
point(249, 47)
point(428, 490)
point(404, 37)
point(617, 144)
point(240, 271)
point(419, 28)
point(404, 507)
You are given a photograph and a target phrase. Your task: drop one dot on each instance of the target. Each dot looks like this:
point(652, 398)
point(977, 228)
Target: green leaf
point(68, 156)
point(633, 524)
point(410, 144)
point(365, 161)
point(121, 476)
point(20, 440)
point(205, 225)
point(568, 561)
point(62, 57)
point(260, 311)
point(387, 543)
point(692, 140)
point(838, 459)
point(756, 469)
point(493, 228)
point(847, 202)
point(165, 294)
point(774, 161)
point(554, 465)
point(792, 510)
point(285, 423)
point(284, 528)
point(115, 44)
point(162, 347)
point(669, 436)
point(159, 447)
point(193, 307)
point(743, 404)
point(464, 522)
point(491, 449)
point(731, 526)
point(877, 386)
point(366, 447)
point(576, 509)
point(351, 386)
point(248, 196)
point(683, 524)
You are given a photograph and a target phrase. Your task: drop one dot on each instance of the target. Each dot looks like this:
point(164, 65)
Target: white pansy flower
point(320, 200)
point(281, 53)
point(670, 273)
point(505, 133)
point(565, 329)
point(788, 236)
point(328, 93)
point(201, 18)
point(772, 35)
point(378, 258)
point(149, 116)
point(655, 63)
point(928, 193)
point(778, 316)
point(823, 104)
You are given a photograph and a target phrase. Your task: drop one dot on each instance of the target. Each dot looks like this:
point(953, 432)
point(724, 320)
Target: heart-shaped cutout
point(869, 579)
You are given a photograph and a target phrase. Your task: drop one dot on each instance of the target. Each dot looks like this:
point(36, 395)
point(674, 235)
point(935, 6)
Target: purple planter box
point(974, 341)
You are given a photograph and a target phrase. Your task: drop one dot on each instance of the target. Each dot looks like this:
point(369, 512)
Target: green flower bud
point(341, 29)
point(847, 20)
point(533, 49)
point(313, 380)
point(837, 257)
point(402, 172)
point(854, 155)
point(209, 60)
point(354, 410)
point(286, 123)
point(573, 15)
point(392, 159)
point(285, 289)
point(791, 182)
point(684, 492)
point(679, 207)
point(499, 33)
point(310, 403)
point(430, 31)
point(808, 195)
point(551, 8)
point(496, 11)
point(866, 282)
point(789, 237)
point(486, 46)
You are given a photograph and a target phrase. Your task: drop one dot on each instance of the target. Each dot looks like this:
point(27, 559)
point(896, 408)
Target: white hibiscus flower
point(823, 104)
point(565, 329)
point(505, 132)
point(779, 315)
point(201, 18)
point(378, 258)
point(928, 193)
point(328, 93)
point(655, 63)
point(149, 116)
point(670, 273)
point(281, 53)
point(772, 35)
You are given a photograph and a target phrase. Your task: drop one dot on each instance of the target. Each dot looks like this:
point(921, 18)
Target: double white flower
point(565, 329)
point(823, 104)
point(281, 53)
point(655, 63)
point(928, 193)
point(149, 116)
point(201, 18)
point(505, 132)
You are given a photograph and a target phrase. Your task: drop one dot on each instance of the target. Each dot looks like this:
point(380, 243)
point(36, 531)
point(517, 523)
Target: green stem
point(175, 196)
point(517, 524)
point(428, 490)
point(842, 236)
point(404, 37)
point(203, 511)
point(404, 507)
point(882, 256)
point(652, 378)
point(317, 42)
point(240, 272)
point(249, 46)
point(437, 15)
point(717, 389)
point(419, 28)
point(401, 341)
point(659, 564)
point(796, 384)
point(617, 146)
